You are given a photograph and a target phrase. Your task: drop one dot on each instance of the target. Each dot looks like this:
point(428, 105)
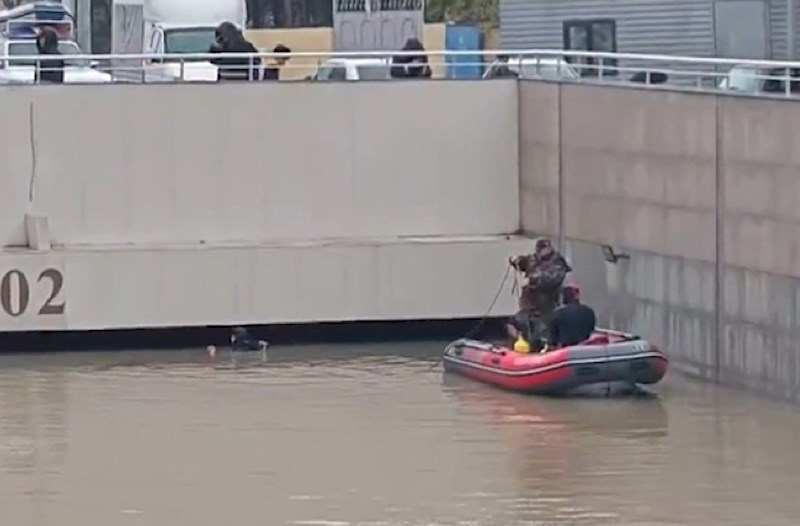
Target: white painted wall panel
point(284, 283)
point(262, 162)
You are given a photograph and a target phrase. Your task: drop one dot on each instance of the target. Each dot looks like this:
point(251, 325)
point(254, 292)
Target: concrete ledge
point(37, 230)
point(100, 288)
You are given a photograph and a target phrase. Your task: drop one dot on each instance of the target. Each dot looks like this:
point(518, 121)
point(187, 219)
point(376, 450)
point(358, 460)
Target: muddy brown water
point(371, 435)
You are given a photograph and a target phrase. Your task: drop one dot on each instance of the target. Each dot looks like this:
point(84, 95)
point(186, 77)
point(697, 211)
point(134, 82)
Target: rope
point(485, 317)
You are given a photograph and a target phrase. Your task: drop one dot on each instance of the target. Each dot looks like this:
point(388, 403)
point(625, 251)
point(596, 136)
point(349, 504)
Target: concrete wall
point(260, 162)
point(192, 205)
point(188, 286)
point(703, 192)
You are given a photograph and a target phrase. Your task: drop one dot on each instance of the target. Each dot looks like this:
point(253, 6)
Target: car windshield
point(189, 40)
point(373, 72)
point(28, 49)
point(331, 71)
point(548, 70)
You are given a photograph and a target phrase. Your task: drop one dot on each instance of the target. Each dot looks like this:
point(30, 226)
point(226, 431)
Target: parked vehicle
point(746, 78)
point(18, 30)
point(548, 68)
point(177, 27)
point(354, 69)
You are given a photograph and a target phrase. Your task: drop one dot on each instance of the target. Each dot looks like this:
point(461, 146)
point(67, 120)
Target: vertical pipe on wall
point(719, 250)
point(791, 23)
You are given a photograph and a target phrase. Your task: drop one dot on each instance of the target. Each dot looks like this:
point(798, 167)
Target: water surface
point(372, 435)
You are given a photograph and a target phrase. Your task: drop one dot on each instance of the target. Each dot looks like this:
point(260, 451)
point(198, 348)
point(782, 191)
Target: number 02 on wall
point(16, 293)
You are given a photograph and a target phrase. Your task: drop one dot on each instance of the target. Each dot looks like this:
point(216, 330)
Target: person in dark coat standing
point(50, 69)
point(229, 39)
point(411, 66)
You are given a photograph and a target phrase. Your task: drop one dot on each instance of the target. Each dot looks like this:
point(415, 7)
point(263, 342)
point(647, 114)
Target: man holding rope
point(545, 271)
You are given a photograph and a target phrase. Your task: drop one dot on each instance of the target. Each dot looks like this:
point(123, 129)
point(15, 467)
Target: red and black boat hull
point(607, 358)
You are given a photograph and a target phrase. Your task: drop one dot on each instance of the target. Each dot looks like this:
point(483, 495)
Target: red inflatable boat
point(607, 358)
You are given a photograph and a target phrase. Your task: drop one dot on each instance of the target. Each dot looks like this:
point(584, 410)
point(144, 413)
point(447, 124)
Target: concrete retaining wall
point(192, 205)
point(703, 192)
point(191, 286)
point(263, 162)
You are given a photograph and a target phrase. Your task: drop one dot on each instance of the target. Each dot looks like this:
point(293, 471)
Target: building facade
point(754, 29)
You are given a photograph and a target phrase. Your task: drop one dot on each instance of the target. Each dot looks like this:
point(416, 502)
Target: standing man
point(545, 271)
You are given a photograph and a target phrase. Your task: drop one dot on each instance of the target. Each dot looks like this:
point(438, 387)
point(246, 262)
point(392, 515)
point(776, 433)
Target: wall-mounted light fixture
point(611, 256)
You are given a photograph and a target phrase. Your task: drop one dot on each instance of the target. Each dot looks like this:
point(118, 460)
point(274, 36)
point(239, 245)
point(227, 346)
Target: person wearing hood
point(411, 66)
point(229, 39)
point(49, 69)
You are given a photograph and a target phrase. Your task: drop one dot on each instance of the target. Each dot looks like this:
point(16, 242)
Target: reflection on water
point(373, 435)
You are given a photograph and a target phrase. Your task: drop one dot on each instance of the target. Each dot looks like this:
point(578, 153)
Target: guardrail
point(752, 76)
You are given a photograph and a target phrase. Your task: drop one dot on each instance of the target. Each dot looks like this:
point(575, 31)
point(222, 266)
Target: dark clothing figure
point(573, 322)
point(242, 341)
point(411, 66)
point(545, 271)
point(50, 69)
point(272, 71)
point(230, 40)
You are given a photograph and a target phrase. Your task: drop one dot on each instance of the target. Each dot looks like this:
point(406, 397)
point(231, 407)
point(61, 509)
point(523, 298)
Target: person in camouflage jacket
point(545, 271)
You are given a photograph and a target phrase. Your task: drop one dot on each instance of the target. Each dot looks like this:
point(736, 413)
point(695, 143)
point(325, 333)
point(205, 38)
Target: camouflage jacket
point(546, 275)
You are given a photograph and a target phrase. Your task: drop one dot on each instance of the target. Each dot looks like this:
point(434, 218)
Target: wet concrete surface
point(373, 435)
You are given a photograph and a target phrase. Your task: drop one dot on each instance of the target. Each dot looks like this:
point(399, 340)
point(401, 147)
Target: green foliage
point(485, 12)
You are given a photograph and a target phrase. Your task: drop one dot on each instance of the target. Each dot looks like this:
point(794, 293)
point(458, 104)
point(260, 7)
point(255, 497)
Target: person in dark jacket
point(411, 66)
point(50, 69)
point(229, 39)
point(573, 322)
point(272, 70)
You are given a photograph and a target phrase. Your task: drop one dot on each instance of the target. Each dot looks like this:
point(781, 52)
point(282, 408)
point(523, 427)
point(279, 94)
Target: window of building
point(289, 13)
point(598, 34)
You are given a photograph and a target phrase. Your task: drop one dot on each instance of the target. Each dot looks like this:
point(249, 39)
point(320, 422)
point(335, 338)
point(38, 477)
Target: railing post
point(787, 82)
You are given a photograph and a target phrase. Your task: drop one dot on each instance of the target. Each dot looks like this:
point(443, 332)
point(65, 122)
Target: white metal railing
point(752, 76)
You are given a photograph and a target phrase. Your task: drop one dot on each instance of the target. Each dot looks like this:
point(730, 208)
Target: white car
point(23, 71)
point(754, 79)
point(354, 69)
point(549, 68)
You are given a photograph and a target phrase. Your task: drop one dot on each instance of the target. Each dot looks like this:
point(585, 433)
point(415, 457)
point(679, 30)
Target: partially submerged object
point(608, 358)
